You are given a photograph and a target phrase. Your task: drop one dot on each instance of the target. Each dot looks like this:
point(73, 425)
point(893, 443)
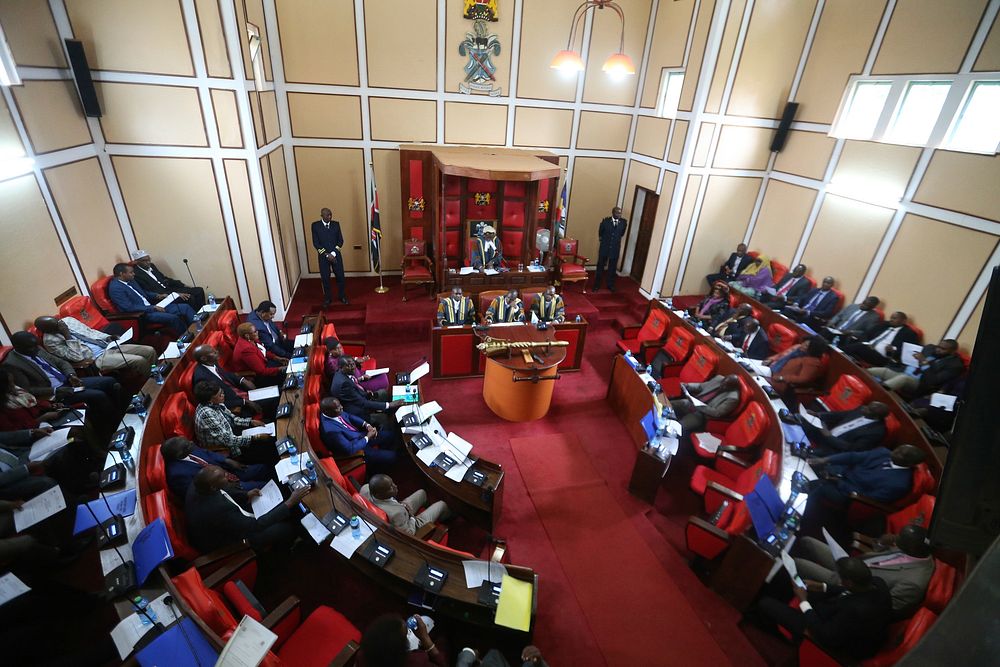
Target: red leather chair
point(157, 505)
point(778, 270)
point(903, 637)
point(720, 425)
point(678, 345)
point(710, 537)
point(847, 393)
point(416, 265)
point(311, 422)
point(650, 336)
point(717, 484)
point(338, 476)
point(329, 331)
point(747, 431)
point(177, 415)
point(485, 298)
point(699, 368)
point(185, 380)
point(99, 293)
point(361, 501)
point(941, 587)
point(862, 509)
point(83, 308)
point(781, 337)
point(205, 603)
point(572, 265)
point(918, 330)
point(314, 388)
point(891, 430)
point(228, 322)
point(155, 468)
point(919, 513)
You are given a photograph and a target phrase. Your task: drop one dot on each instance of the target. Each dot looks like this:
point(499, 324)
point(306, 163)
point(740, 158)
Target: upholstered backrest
point(185, 379)
point(374, 509)
point(891, 429)
point(701, 365)
point(415, 248)
point(778, 270)
point(485, 298)
point(512, 240)
point(312, 429)
point(156, 473)
point(941, 586)
point(204, 602)
point(177, 415)
point(781, 337)
point(679, 343)
point(918, 513)
point(99, 293)
point(847, 393)
point(227, 325)
point(158, 506)
point(83, 309)
point(766, 466)
point(745, 393)
point(568, 247)
point(749, 427)
point(331, 468)
point(654, 327)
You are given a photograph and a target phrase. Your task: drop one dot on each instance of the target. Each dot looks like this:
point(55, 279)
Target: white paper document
point(789, 564)
point(836, 550)
point(122, 339)
point(809, 418)
point(285, 468)
point(411, 639)
point(346, 545)
point(420, 371)
point(39, 508)
point(266, 429)
point(707, 441)
point(303, 340)
point(943, 401)
point(167, 300)
point(248, 646)
point(263, 393)
point(43, 448)
point(171, 352)
point(908, 354)
point(10, 588)
point(298, 366)
point(110, 558)
point(697, 402)
point(209, 309)
point(478, 571)
point(376, 371)
point(424, 412)
point(315, 528)
point(131, 629)
point(269, 498)
point(466, 270)
point(490, 272)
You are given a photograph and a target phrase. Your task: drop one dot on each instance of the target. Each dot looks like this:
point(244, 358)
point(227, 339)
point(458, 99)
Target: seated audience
point(345, 434)
point(218, 515)
point(249, 355)
point(711, 310)
point(20, 478)
point(719, 397)
point(755, 278)
point(905, 565)
point(183, 460)
point(549, 306)
point(233, 386)
point(346, 388)
point(884, 342)
point(848, 619)
point(157, 283)
point(792, 285)
point(381, 491)
point(486, 250)
point(815, 307)
point(853, 322)
point(129, 297)
point(732, 267)
point(22, 410)
point(386, 644)
point(939, 365)
point(799, 366)
point(752, 340)
point(262, 318)
point(377, 385)
point(848, 430)
point(505, 308)
point(882, 475)
point(456, 310)
point(83, 347)
point(733, 322)
point(219, 429)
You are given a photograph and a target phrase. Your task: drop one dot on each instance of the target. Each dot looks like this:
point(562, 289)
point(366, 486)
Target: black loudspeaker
point(967, 512)
point(781, 135)
point(81, 74)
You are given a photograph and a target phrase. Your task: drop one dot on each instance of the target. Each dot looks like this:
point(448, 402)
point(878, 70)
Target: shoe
point(344, 300)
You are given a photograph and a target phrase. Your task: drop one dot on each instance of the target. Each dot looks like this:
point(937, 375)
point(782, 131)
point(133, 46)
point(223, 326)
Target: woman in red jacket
point(250, 356)
point(798, 366)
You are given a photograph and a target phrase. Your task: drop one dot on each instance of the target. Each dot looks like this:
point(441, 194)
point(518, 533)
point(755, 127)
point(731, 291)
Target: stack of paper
point(266, 429)
point(263, 393)
point(478, 571)
point(298, 366)
point(285, 468)
point(45, 447)
point(248, 646)
point(514, 605)
point(345, 544)
point(167, 300)
point(706, 441)
point(453, 446)
point(423, 412)
point(466, 270)
point(909, 353)
point(39, 508)
point(269, 498)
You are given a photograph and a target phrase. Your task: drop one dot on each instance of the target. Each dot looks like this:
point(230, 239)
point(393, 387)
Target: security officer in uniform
point(328, 241)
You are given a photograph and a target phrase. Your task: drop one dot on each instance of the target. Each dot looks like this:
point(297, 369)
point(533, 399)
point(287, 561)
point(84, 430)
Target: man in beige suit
point(381, 491)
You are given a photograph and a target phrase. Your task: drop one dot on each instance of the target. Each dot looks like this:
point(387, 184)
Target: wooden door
point(645, 234)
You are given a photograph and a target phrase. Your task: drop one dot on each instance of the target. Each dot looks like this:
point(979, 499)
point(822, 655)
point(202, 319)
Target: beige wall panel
point(132, 36)
point(743, 147)
point(30, 242)
point(725, 213)
point(304, 24)
point(269, 105)
point(467, 123)
point(676, 149)
point(605, 38)
point(805, 154)
point(402, 44)
point(255, 15)
point(81, 196)
point(31, 33)
point(282, 198)
point(928, 36)
point(395, 119)
point(246, 228)
point(603, 131)
point(165, 224)
point(989, 57)
point(550, 128)
point(692, 68)
point(544, 31)
point(284, 269)
point(933, 295)
point(325, 116)
point(658, 237)
point(962, 182)
point(680, 235)
point(726, 52)
point(335, 178)
point(651, 136)
point(456, 28)
point(52, 115)
point(387, 176)
point(227, 118)
point(10, 140)
point(670, 32)
point(770, 56)
point(213, 38)
point(844, 240)
point(146, 114)
point(639, 174)
point(255, 113)
point(967, 338)
point(782, 218)
point(593, 193)
point(241, 19)
point(880, 170)
point(704, 143)
point(839, 49)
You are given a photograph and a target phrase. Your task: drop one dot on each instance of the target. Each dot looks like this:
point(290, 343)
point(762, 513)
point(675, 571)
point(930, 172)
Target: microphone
point(169, 601)
point(190, 275)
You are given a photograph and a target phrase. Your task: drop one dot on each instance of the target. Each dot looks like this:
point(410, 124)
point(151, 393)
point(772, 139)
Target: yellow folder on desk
point(514, 605)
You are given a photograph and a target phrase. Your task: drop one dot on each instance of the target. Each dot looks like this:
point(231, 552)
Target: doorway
point(644, 210)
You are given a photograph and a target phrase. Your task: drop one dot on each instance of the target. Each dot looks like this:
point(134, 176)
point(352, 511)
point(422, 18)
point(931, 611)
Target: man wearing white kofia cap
point(155, 281)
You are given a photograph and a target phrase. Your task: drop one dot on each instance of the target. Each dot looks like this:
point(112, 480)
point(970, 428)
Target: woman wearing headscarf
point(755, 277)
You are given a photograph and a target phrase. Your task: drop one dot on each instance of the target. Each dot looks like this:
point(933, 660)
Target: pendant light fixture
point(569, 60)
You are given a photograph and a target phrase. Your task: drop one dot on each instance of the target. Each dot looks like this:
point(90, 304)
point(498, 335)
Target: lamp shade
point(569, 61)
point(618, 64)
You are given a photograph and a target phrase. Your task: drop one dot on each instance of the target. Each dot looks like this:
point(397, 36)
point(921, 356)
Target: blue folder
point(765, 506)
point(122, 503)
point(648, 422)
point(150, 548)
point(182, 645)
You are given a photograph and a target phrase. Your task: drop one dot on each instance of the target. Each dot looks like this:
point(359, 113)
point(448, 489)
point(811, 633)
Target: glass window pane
point(671, 94)
point(918, 112)
point(864, 109)
point(977, 128)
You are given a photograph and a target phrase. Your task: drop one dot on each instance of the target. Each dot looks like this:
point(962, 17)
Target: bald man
point(381, 491)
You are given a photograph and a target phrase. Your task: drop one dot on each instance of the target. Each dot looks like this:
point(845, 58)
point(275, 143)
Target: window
point(977, 128)
point(670, 94)
point(862, 115)
point(8, 70)
point(918, 112)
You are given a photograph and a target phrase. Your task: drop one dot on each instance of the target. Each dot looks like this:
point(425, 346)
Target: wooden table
point(474, 283)
point(517, 389)
point(454, 353)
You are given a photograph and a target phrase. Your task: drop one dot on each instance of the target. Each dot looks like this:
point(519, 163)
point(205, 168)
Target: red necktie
point(347, 424)
point(746, 342)
point(230, 477)
point(787, 286)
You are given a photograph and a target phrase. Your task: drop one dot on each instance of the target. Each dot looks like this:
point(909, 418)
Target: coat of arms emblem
point(480, 72)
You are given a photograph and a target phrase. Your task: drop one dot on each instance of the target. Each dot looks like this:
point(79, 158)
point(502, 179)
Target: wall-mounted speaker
point(81, 74)
point(781, 135)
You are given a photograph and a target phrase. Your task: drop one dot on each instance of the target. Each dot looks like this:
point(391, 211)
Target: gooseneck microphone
point(190, 275)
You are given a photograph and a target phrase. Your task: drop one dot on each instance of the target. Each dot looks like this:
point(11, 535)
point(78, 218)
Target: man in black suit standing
point(609, 237)
point(732, 267)
point(328, 241)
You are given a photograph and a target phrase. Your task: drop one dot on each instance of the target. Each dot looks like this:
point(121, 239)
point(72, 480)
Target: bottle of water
point(127, 459)
point(670, 303)
point(311, 471)
point(197, 324)
point(355, 527)
point(140, 407)
point(142, 605)
point(649, 369)
point(180, 346)
point(293, 452)
point(579, 318)
point(211, 299)
point(157, 375)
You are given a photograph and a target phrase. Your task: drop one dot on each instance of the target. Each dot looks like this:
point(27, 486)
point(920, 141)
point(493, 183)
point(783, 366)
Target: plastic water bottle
point(311, 471)
point(579, 318)
point(142, 605)
point(140, 407)
point(127, 459)
point(197, 324)
point(670, 303)
point(355, 527)
point(649, 369)
point(211, 299)
point(293, 452)
point(157, 375)
point(180, 346)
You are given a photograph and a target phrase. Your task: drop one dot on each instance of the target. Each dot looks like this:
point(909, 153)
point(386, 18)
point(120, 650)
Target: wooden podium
point(517, 389)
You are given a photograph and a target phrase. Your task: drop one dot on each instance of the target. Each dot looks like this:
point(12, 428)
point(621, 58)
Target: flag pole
point(381, 289)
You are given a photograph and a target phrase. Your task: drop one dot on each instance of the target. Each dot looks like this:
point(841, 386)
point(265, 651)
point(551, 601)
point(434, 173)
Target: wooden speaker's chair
point(417, 266)
point(572, 265)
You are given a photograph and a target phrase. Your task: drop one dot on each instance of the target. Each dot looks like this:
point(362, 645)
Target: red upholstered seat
point(902, 639)
point(742, 483)
point(512, 241)
point(720, 425)
point(781, 337)
point(333, 470)
point(859, 512)
point(312, 430)
point(778, 270)
point(847, 393)
point(158, 506)
point(941, 586)
point(314, 387)
point(572, 265)
point(318, 640)
point(374, 509)
point(648, 339)
point(891, 429)
point(177, 415)
point(99, 294)
point(329, 331)
point(699, 368)
point(208, 605)
point(416, 265)
point(155, 469)
point(485, 297)
point(678, 344)
point(185, 380)
point(918, 513)
point(227, 325)
point(710, 540)
point(918, 330)
point(746, 431)
point(83, 309)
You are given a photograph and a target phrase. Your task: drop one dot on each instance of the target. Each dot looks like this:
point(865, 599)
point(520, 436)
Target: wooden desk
point(630, 399)
point(454, 353)
point(519, 390)
point(474, 283)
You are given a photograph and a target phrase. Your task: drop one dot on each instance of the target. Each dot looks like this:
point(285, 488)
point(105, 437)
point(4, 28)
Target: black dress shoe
point(344, 300)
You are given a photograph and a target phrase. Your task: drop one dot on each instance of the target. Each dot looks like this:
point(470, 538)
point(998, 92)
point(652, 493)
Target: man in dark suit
point(609, 236)
point(156, 282)
point(183, 460)
point(345, 434)
point(884, 342)
point(791, 287)
point(219, 515)
point(233, 386)
point(719, 397)
point(352, 397)
point(751, 340)
point(732, 267)
point(815, 307)
point(328, 241)
point(939, 365)
point(129, 297)
point(882, 475)
point(262, 318)
point(853, 322)
point(849, 430)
